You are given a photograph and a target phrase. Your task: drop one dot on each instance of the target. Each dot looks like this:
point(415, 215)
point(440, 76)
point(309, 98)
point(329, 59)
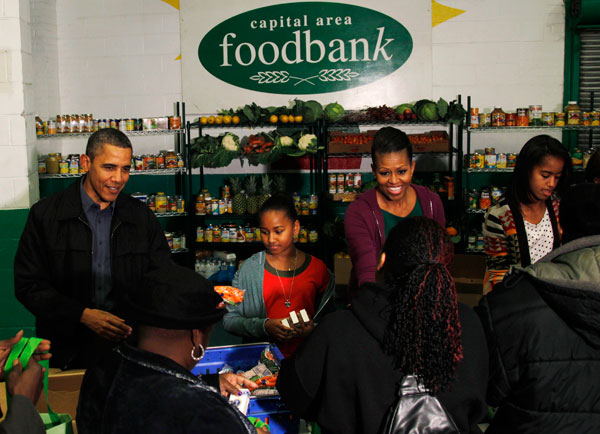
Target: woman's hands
point(229, 383)
point(278, 331)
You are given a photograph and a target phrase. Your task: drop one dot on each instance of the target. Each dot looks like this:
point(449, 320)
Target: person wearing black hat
point(149, 387)
point(543, 331)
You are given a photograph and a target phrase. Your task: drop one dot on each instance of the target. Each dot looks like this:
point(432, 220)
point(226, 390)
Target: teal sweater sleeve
point(248, 318)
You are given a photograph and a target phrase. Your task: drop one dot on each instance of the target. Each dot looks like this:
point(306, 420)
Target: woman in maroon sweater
point(370, 218)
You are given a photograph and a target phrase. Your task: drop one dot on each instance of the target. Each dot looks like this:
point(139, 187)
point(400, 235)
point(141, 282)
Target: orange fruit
point(273, 119)
point(298, 118)
point(283, 119)
point(226, 119)
point(219, 120)
point(291, 119)
point(203, 120)
point(235, 119)
point(451, 231)
point(211, 119)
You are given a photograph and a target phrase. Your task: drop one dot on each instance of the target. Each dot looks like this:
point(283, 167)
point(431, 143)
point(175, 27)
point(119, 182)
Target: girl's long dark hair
point(423, 330)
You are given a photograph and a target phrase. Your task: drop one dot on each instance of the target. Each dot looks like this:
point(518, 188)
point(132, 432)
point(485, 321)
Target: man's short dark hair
point(106, 136)
point(580, 211)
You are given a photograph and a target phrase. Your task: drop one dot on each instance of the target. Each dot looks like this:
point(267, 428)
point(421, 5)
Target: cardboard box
point(336, 143)
point(63, 391)
point(468, 272)
point(341, 269)
point(433, 141)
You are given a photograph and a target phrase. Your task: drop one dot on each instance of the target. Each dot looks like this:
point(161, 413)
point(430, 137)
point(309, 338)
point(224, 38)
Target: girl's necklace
point(287, 302)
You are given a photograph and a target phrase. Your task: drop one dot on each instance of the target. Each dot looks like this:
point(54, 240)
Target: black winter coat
point(53, 264)
point(341, 377)
point(543, 330)
point(138, 392)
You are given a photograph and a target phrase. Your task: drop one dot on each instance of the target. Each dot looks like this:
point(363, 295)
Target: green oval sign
point(305, 48)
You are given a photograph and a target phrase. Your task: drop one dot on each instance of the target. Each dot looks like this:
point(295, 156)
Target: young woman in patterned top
point(523, 226)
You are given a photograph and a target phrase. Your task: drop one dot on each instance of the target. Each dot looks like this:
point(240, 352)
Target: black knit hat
point(174, 297)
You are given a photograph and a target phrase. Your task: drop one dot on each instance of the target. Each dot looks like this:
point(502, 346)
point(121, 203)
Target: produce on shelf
point(253, 198)
point(239, 200)
point(308, 142)
point(282, 141)
point(333, 112)
point(265, 189)
point(231, 142)
point(279, 184)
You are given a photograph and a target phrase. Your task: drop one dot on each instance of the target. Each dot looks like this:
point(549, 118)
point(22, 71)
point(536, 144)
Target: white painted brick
point(12, 98)
point(4, 130)
point(153, 6)
point(10, 33)
point(171, 23)
point(34, 188)
point(27, 68)
point(24, 10)
point(11, 9)
point(152, 23)
point(7, 193)
point(81, 47)
point(28, 99)
point(162, 44)
point(119, 46)
point(73, 28)
point(21, 197)
point(17, 131)
point(16, 165)
point(120, 7)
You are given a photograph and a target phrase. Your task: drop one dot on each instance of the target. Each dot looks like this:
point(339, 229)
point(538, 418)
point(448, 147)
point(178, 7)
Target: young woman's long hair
point(423, 330)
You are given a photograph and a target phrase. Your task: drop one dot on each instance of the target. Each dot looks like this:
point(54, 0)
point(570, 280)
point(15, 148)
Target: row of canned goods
point(475, 241)
point(488, 159)
point(484, 198)
point(232, 233)
point(161, 203)
point(85, 123)
point(176, 240)
point(54, 163)
point(166, 159)
point(580, 159)
point(344, 182)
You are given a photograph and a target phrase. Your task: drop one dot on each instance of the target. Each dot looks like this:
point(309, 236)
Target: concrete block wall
point(117, 59)
point(509, 54)
point(18, 179)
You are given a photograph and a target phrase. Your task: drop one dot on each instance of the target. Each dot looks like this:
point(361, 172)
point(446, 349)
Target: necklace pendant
point(287, 304)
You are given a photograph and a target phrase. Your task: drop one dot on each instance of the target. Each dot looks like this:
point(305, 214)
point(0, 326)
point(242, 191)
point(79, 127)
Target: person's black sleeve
point(22, 418)
point(32, 270)
point(498, 384)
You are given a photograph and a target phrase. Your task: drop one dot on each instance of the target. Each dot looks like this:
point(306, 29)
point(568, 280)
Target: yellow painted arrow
point(441, 13)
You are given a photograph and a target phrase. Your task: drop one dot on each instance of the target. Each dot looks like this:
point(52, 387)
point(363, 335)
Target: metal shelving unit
point(128, 133)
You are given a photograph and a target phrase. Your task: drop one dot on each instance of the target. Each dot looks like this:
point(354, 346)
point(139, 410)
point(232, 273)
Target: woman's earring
point(198, 358)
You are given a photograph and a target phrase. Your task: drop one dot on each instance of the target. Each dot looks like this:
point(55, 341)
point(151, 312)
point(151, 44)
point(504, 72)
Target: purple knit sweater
point(365, 232)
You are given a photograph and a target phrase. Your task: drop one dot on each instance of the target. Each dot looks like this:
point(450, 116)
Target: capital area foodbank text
point(305, 48)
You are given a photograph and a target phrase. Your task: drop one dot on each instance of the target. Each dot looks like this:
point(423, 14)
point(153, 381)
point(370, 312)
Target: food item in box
point(230, 294)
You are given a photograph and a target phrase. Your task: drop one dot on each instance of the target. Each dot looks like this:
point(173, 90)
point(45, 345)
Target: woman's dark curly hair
point(423, 330)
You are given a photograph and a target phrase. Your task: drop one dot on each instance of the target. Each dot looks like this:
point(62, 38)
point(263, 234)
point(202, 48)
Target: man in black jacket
point(81, 251)
point(543, 331)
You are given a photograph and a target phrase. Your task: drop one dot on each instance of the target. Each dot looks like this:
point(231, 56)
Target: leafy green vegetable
point(442, 107)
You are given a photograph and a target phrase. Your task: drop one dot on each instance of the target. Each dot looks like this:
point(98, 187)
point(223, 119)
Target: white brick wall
point(115, 58)
point(509, 54)
point(17, 139)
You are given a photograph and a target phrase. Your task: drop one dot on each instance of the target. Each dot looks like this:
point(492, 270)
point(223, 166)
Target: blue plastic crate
point(241, 358)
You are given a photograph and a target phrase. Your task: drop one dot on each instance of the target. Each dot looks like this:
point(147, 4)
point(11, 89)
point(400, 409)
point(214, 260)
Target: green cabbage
point(428, 112)
point(334, 112)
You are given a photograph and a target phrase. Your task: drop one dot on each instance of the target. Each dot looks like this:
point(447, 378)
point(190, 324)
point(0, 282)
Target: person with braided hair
point(345, 376)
